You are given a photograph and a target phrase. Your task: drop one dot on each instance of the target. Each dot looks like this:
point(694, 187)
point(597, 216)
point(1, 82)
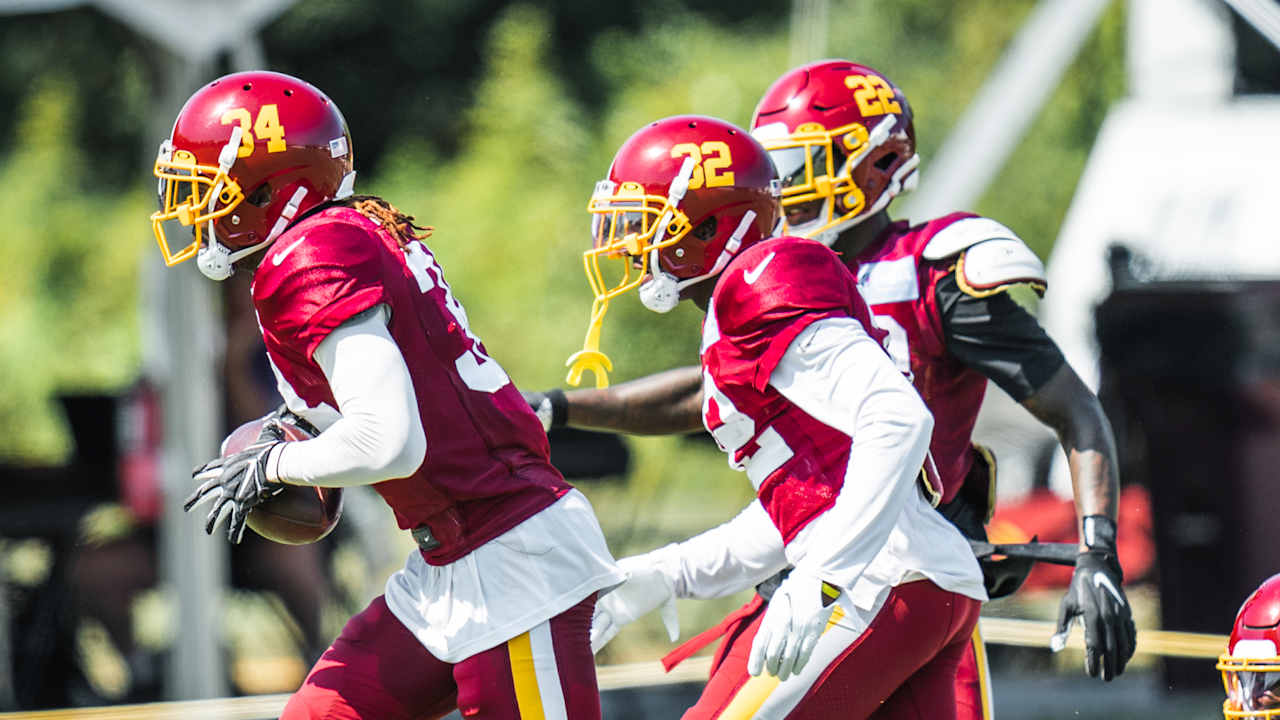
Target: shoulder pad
point(991, 266)
point(962, 234)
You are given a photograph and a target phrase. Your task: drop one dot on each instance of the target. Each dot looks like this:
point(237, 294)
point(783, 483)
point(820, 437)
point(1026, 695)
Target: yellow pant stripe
point(528, 697)
point(750, 697)
point(747, 701)
point(984, 676)
point(836, 615)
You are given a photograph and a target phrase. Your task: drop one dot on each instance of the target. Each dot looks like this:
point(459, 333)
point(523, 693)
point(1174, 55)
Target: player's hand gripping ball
point(236, 483)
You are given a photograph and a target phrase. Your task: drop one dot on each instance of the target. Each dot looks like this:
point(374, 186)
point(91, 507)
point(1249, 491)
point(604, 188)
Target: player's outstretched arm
point(1095, 596)
point(726, 559)
point(661, 404)
point(994, 335)
point(1067, 406)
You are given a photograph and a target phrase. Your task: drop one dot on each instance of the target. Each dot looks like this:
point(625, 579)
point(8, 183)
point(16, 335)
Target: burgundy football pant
point(902, 666)
point(377, 670)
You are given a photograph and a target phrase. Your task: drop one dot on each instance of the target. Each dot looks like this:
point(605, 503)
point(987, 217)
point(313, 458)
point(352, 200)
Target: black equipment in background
point(1190, 378)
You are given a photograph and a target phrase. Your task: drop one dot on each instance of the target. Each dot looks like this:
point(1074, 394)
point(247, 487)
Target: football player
point(842, 138)
point(1251, 665)
point(491, 612)
point(799, 391)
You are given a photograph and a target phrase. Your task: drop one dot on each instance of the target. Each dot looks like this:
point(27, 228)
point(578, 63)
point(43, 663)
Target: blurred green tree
point(490, 120)
point(69, 301)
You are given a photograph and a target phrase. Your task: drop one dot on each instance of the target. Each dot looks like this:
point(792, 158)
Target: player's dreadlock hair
point(401, 226)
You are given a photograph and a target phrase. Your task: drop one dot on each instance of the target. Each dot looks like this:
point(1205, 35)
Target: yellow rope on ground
point(1033, 633)
point(995, 631)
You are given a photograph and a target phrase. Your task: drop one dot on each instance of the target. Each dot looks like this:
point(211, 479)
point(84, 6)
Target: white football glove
point(646, 588)
point(793, 621)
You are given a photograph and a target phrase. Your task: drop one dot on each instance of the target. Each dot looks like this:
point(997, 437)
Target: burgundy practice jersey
point(766, 297)
point(486, 467)
point(900, 286)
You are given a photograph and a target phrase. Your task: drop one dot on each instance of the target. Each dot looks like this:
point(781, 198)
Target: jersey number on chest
point(479, 371)
point(735, 432)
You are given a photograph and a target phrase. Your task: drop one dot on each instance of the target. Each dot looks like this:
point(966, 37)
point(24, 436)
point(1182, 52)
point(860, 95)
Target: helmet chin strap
point(679, 186)
point(662, 293)
point(217, 262)
point(904, 179)
point(286, 215)
point(214, 259)
point(347, 186)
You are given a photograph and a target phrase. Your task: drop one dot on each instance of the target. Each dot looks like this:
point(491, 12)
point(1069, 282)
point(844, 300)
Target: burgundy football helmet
point(842, 139)
point(249, 152)
point(683, 196)
point(1251, 665)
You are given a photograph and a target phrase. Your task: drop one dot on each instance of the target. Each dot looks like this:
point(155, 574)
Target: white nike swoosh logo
point(752, 275)
point(280, 256)
point(1104, 582)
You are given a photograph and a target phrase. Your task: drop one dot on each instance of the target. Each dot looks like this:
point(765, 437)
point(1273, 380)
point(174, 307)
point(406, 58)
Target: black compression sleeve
point(999, 338)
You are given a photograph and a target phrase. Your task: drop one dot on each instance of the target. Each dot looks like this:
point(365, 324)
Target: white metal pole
point(181, 358)
point(808, 31)
point(185, 318)
point(995, 121)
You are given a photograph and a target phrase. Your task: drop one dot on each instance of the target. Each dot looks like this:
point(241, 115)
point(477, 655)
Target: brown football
point(301, 514)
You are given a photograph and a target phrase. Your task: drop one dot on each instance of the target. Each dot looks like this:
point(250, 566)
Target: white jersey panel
point(725, 559)
point(529, 574)
point(881, 531)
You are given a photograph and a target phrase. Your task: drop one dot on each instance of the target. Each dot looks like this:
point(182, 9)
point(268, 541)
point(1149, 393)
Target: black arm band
point(559, 407)
point(1100, 533)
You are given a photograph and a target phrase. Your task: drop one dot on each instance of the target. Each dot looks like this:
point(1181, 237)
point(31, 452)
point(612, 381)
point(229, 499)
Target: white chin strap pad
point(214, 260)
point(217, 261)
point(661, 293)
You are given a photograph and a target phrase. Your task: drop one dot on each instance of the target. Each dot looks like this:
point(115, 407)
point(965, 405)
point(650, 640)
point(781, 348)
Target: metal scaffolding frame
point(181, 320)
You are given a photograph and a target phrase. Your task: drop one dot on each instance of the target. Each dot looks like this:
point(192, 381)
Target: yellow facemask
point(193, 194)
point(628, 228)
point(1252, 685)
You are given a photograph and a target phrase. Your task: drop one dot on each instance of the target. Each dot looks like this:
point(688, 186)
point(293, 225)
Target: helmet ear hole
point(706, 230)
point(260, 196)
point(885, 161)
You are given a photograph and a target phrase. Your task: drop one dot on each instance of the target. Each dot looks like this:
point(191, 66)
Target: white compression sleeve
point(725, 559)
point(838, 374)
point(380, 435)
